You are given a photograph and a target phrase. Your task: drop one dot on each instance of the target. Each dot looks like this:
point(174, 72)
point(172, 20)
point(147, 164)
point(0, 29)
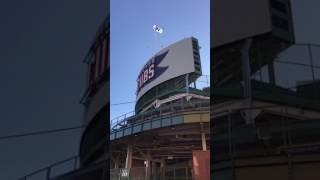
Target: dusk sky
point(43, 43)
point(133, 41)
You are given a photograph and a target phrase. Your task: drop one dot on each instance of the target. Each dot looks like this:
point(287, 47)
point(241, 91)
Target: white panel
point(179, 61)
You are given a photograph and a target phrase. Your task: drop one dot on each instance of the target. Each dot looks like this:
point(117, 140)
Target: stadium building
point(167, 135)
point(93, 160)
point(264, 126)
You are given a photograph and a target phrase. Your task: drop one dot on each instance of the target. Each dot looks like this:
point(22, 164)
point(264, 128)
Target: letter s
point(151, 71)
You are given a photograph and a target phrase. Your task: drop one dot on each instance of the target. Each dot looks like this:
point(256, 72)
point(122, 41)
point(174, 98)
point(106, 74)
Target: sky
point(133, 41)
point(42, 45)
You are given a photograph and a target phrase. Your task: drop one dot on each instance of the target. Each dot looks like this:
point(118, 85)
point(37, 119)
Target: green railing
point(163, 117)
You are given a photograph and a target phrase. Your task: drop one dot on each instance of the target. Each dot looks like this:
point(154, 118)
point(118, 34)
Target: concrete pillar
point(271, 73)
point(116, 163)
point(148, 166)
point(246, 70)
point(311, 61)
point(204, 143)
point(129, 158)
point(203, 138)
point(190, 164)
point(154, 169)
point(187, 83)
point(163, 168)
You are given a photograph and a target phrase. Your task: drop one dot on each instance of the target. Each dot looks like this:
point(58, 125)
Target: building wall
point(96, 99)
point(233, 20)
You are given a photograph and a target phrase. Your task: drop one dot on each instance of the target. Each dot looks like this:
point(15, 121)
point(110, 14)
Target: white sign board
point(172, 61)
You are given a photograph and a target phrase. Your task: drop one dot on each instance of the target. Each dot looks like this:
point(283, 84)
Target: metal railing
point(120, 121)
point(48, 172)
point(169, 110)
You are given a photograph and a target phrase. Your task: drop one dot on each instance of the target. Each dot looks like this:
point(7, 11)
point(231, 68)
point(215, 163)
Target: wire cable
point(41, 132)
point(117, 104)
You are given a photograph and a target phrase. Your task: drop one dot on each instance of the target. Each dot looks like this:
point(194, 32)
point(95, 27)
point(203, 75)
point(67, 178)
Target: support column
point(116, 163)
point(311, 61)
point(129, 158)
point(204, 143)
point(187, 83)
point(271, 73)
point(246, 73)
point(163, 168)
point(154, 169)
point(203, 138)
point(190, 165)
point(246, 70)
point(148, 166)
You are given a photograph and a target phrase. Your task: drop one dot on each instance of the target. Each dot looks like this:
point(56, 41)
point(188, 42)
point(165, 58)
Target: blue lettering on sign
point(151, 71)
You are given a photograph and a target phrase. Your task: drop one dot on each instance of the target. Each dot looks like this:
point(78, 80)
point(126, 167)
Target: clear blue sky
point(134, 41)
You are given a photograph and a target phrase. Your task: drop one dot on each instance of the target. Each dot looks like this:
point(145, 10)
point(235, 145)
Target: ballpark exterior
point(92, 162)
point(169, 130)
point(93, 154)
point(96, 99)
